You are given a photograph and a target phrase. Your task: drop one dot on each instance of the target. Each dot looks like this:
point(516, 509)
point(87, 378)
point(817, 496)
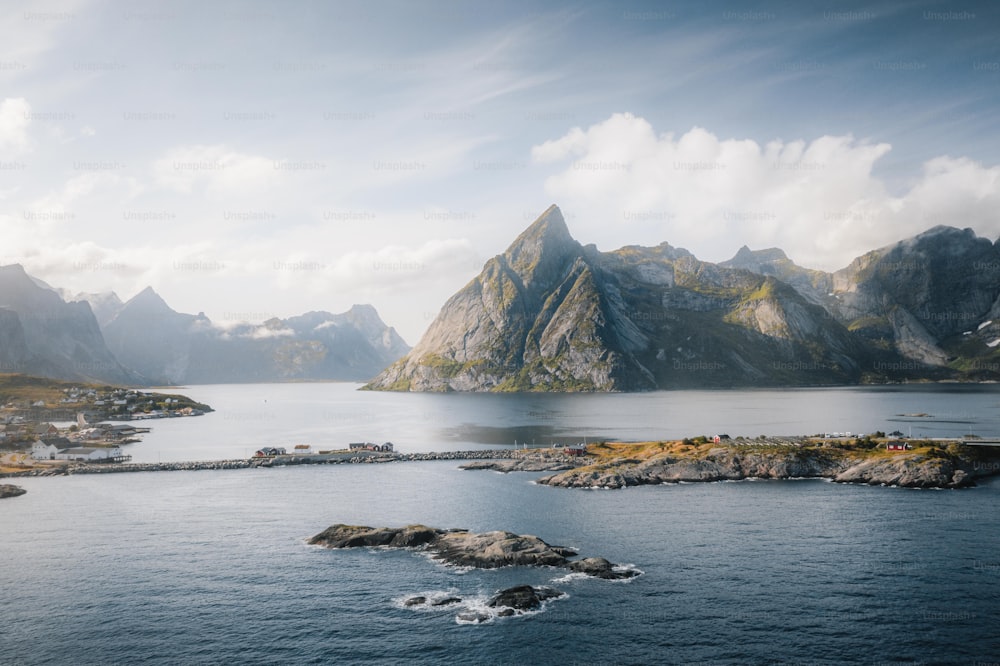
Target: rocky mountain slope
point(43, 335)
point(550, 314)
point(933, 299)
point(172, 347)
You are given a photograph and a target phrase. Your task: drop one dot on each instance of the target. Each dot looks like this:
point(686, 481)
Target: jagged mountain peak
point(549, 229)
point(746, 256)
point(20, 290)
point(947, 230)
point(541, 252)
point(14, 274)
point(148, 299)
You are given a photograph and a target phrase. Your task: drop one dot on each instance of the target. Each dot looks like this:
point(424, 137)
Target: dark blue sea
point(212, 567)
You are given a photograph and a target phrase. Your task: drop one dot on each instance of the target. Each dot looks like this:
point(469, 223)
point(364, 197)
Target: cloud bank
point(819, 200)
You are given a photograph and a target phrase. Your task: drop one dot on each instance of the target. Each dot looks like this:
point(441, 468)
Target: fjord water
point(329, 415)
point(212, 567)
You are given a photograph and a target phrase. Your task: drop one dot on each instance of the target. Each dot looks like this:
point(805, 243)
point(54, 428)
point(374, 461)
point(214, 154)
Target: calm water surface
point(330, 415)
point(212, 567)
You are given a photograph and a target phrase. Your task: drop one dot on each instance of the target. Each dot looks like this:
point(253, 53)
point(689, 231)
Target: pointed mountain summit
point(534, 319)
point(551, 315)
point(148, 335)
point(747, 258)
point(541, 251)
point(149, 299)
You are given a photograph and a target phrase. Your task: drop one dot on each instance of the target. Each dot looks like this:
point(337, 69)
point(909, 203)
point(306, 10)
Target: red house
point(896, 446)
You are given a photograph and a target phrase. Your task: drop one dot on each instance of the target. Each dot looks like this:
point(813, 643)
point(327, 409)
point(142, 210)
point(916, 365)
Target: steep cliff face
point(536, 318)
point(549, 314)
point(930, 298)
point(44, 335)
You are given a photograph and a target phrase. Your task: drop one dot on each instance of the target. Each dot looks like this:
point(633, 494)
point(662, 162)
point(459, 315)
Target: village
point(94, 424)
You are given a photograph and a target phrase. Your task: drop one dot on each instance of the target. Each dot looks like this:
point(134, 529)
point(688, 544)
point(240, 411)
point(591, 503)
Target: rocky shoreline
point(907, 469)
point(625, 465)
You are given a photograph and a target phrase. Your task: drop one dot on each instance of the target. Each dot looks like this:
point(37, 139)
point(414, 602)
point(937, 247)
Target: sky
point(258, 159)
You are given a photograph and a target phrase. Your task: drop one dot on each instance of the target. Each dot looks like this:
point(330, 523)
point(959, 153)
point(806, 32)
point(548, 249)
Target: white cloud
point(216, 168)
point(818, 200)
point(266, 333)
point(15, 117)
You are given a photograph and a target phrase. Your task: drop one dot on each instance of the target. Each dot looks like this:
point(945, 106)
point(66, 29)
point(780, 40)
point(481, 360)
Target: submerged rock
point(447, 601)
point(601, 568)
point(474, 617)
point(522, 598)
point(8, 490)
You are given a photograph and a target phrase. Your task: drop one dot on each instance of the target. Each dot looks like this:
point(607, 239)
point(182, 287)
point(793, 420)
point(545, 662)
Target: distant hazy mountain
point(549, 314)
point(814, 285)
point(41, 334)
point(105, 305)
point(171, 347)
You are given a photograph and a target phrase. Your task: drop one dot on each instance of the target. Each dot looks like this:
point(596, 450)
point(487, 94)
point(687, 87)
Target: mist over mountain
point(172, 347)
point(550, 314)
point(104, 305)
point(41, 334)
point(54, 333)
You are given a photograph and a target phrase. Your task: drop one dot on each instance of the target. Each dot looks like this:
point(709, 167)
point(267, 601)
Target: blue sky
point(253, 159)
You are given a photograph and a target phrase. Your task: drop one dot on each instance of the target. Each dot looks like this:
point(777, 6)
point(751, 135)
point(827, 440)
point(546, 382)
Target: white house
point(89, 454)
point(42, 451)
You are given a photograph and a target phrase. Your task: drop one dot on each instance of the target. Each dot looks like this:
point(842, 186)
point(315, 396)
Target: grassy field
point(25, 387)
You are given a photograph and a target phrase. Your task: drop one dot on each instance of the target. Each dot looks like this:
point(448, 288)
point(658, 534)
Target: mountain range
point(41, 334)
point(146, 334)
point(96, 337)
point(550, 314)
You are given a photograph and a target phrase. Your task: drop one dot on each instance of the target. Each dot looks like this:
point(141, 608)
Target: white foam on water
point(431, 596)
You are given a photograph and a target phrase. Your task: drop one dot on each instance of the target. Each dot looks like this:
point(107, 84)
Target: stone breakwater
point(242, 463)
point(98, 468)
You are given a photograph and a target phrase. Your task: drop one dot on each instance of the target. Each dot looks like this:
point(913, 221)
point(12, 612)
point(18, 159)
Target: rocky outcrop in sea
point(517, 601)
point(8, 490)
point(487, 550)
